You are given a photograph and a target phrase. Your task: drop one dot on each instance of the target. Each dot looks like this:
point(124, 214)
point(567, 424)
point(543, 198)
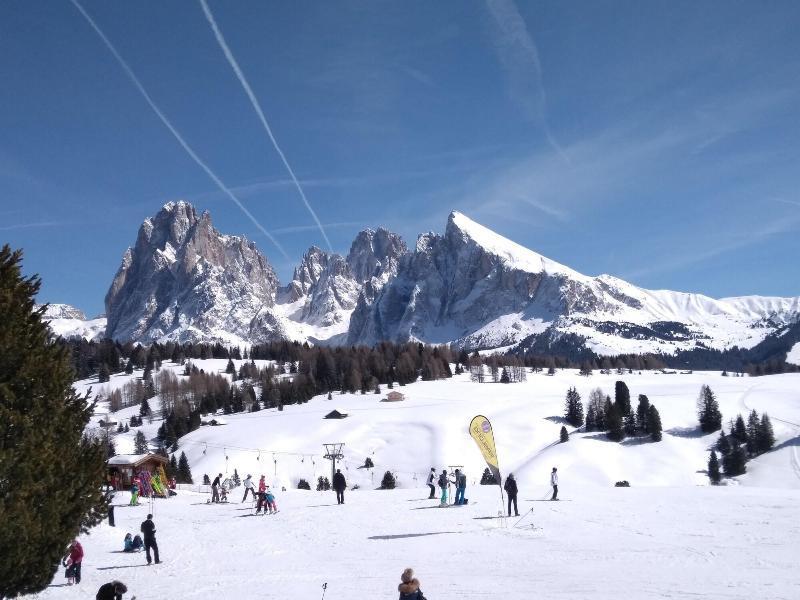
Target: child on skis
point(135, 492)
point(272, 507)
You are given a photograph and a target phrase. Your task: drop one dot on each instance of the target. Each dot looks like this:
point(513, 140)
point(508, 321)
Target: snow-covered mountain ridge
point(185, 281)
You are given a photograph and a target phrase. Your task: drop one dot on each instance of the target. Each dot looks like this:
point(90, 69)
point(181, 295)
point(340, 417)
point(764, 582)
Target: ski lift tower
point(333, 452)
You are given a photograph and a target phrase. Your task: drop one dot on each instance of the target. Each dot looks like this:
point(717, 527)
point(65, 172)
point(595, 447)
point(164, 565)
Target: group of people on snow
point(459, 480)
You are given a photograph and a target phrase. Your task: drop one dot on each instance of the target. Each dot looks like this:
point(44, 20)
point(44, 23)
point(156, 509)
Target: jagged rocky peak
point(375, 253)
point(183, 276)
point(62, 311)
point(307, 273)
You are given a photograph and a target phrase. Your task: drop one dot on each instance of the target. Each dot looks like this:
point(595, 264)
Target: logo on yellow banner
point(481, 431)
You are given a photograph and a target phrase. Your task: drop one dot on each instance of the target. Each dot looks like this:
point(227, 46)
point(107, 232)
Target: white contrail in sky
point(132, 76)
point(257, 107)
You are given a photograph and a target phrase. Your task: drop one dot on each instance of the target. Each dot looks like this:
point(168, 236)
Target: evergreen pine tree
point(616, 432)
point(753, 423)
point(629, 422)
point(723, 444)
point(591, 419)
point(564, 435)
point(140, 444)
point(654, 423)
point(641, 413)
point(713, 469)
point(172, 468)
point(230, 369)
point(708, 412)
point(104, 375)
point(144, 408)
point(111, 449)
point(236, 479)
point(740, 430)
point(765, 438)
point(184, 472)
point(388, 481)
point(42, 421)
point(622, 397)
point(734, 463)
point(129, 368)
point(573, 411)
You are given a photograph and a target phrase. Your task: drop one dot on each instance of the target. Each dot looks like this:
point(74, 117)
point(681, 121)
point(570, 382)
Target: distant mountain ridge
point(185, 281)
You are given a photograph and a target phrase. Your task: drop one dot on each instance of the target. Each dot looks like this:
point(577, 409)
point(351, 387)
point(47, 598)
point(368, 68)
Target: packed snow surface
point(668, 535)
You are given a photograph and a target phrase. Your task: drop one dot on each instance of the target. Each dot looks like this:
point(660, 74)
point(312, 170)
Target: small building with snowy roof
point(336, 414)
point(123, 467)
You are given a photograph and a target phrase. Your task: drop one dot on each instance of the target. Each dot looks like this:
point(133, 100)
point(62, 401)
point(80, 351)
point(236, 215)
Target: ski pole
point(523, 517)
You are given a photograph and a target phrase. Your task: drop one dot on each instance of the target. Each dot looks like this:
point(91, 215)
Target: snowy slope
point(669, 535)
point(793, 356)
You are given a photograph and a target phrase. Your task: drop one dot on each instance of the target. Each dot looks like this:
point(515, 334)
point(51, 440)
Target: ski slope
point(669, 535)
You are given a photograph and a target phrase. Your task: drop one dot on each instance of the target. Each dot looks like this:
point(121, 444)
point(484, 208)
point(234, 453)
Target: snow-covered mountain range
point(185, 281)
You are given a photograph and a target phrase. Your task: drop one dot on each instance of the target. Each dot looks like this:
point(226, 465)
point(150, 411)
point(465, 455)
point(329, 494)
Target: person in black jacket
point(111, 591)
point(215, 488)
point(148, 530)
point(511, 489)
point(339, 484)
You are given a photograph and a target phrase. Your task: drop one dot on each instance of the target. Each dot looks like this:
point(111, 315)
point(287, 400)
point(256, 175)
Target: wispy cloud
point(257, 107)
point(32, 225)
point(300, 228)
point(730, 242)
point(517, 51)
point(192, 154)
point(791, 202)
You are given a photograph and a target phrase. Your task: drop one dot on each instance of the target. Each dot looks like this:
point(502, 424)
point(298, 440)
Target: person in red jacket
point(75, 558)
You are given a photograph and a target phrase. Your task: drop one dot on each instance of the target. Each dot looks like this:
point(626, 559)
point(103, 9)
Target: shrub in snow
point(388, 482)
point(623, 483)
point(323, 484)
point(564, 435)
point(303, 485)
point(487, 478)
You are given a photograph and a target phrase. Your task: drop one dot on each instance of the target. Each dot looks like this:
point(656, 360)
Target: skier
point(272, 507)
point(262, 485)
point(135, 492)
point(73, 560)
point(554, 483)
point(249, 486)
point(409, 586)
point(111, 591)
point(148, 528)
point(443, 485)
point(339, 484)
point(215, 488)
point(431, 479)
point(510, 487)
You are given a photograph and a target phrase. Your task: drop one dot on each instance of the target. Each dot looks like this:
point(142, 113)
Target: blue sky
point(656, 141)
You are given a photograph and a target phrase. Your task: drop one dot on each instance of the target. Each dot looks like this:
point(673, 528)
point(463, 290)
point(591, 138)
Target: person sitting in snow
point(409, 586)
point(111, 591)
point(132, 544)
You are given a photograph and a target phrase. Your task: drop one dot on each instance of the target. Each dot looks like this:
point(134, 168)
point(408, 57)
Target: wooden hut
point(123, 467)
point(394, 396)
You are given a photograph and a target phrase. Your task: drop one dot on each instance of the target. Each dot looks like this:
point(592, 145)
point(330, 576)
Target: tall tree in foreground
point(765, 438)
point(573, 410)
point(184, 471)
point(622, 397)
point(42, 439)
point(654, 423)
point(616, 433)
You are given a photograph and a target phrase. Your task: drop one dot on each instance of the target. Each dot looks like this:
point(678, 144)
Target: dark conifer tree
point(713, 469)
point(765, 438)
point(654, 423)
point(564, 436)
point(708, 412)
point(629, 423)
point(388, 481)
point(641, 413)
point(42, 421)
point(591, 419)
point(622, 397)
point(104, 375)
point(129, 368)
point(504, 378)
point(140, 444)
point(144, 408)
point(172, 468)
point(734, 463)
point(573, 411)
point(184, 472)
point(753, 423)
point(723, 443)
point(740, 430)
point(616, 432)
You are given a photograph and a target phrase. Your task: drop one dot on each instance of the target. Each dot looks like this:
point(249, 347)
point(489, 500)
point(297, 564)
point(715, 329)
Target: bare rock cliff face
point(185, 281)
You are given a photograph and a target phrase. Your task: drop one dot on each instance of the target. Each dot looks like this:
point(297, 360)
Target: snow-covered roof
point(133, 459)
